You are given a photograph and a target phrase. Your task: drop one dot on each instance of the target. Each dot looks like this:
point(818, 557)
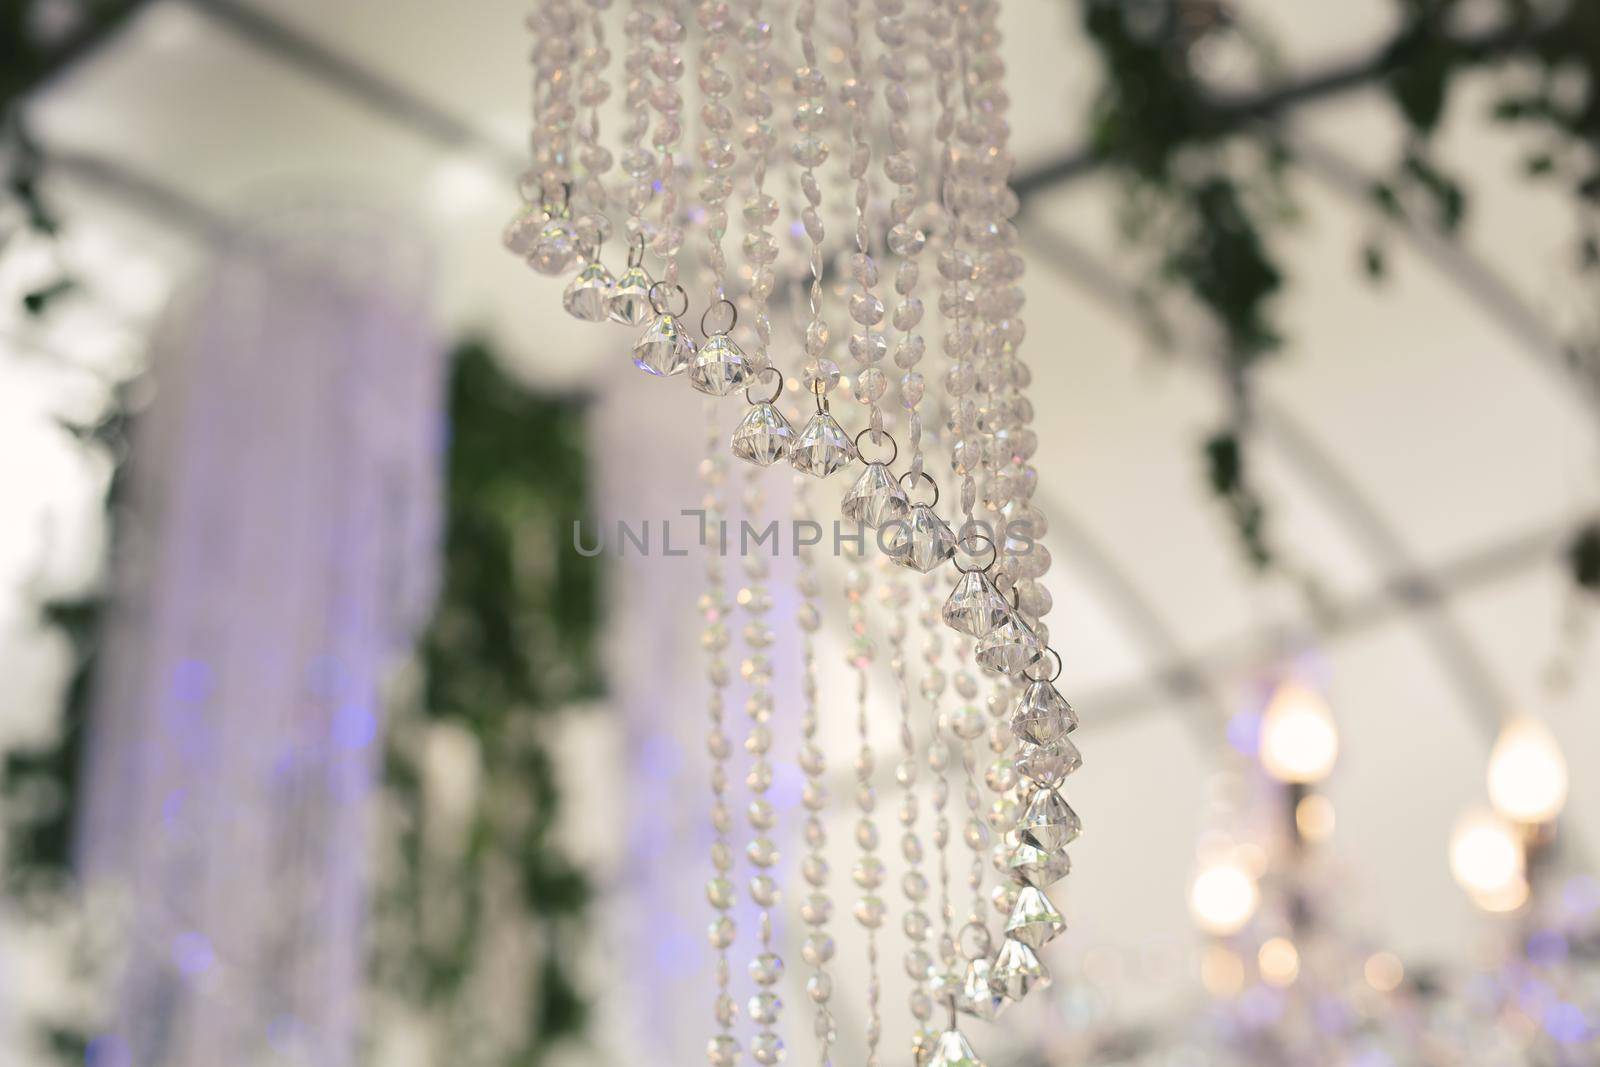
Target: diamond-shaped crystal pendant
point(822, 447)
point(720, 366)
point(1010, 648)
point(1036, 866)
point(876, 498)
point(763, 436)
point(1042, 714)
point(978, 995)
point(629, 302)
point(1048, 765)
point(1049, 823)
point(952, 1050)
point(921, 540)
point(1016, 970)
point(588, 296)
point(664, 349)
point(1034, 920)
point(975, 605)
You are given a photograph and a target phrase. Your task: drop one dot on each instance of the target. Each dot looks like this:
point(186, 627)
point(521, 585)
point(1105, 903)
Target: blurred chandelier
point(896, 139)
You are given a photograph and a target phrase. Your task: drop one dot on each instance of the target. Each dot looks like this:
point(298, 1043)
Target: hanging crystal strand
point(756, 668)
point(955, 265)
point(588, 296)
point(822, 446)
point(760, 209)
point(966, 724)
point(721, 366)
point(869, 868)
point(905, 238)
point(817, 949)
point(542, 232)
point(867, 343)
point(942, 981)
point(629, 303)
point(914, 884)
point(667, 65)
point(723, 1048)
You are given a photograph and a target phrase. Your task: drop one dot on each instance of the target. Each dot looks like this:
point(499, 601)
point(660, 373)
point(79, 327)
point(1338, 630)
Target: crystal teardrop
point(975, 605)
point(1017, 969)
point(664, 349)
point(588, 297)
point(720, 366)
point(1034, 920)
point(1036, 866)
point(1049, 823)
point(1010, 648)
point(921, 541)
point(978, 995)
point(763, 436)
point(876, 498)
point(1042, 714)
point(952, 1050)
point(822, 447)
point(1048, 765)
point(629, 302)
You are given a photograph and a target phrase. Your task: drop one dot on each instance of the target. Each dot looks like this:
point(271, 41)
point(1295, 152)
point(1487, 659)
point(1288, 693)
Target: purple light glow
point(192, 953)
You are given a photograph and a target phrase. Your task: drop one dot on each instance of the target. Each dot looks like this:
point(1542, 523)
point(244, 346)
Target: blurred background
point(322, 745)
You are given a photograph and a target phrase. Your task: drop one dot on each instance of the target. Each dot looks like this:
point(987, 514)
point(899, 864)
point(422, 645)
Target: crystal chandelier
point(855, 142)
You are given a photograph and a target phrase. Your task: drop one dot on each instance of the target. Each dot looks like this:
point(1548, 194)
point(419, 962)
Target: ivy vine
point(1203, 170)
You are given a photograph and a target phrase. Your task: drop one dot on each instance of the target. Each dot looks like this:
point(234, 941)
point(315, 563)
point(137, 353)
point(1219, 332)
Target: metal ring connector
point(973, 535)
point(733, 317)
point(636, 251)
point(923, 474)
point(1054, 675)
point(660, 306)
point(769, 368)
point(892, 456)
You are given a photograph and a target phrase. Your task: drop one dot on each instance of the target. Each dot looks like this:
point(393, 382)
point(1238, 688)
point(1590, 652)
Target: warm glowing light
point(1279, 961)
point(1486, 858)
point(1384, 971)
point(1508, 898)
point(1223, 898)
point(1314, 817)
point(1221, 971)
point(1299, 742)
point(1527, 775)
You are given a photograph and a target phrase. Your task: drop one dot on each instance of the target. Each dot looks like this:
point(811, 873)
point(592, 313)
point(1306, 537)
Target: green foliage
point(513, 643)
point(1208, 210)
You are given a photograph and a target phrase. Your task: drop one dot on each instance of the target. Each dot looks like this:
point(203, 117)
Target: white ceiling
point(1428, 434)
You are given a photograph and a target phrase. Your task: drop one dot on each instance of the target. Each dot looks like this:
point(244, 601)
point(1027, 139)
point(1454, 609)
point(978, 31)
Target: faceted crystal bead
point(523, 230)
point(978, 995)
point(720, 366)
point(722, 1051)
point(822, 447)
point(1036, 866)
point(975, 605)
point(1016, 970)
point(763, 436)
point(588, 297)
point(921, 541)
point(876, 498)
point(664, 349)
point(1034, 920)
point(1010, 648)
point(943, 985)
point(1042, 715)
point(952, 1050)
point(629, 302)
point(554, 248)
point(1048, 765)
point(1049, 823)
